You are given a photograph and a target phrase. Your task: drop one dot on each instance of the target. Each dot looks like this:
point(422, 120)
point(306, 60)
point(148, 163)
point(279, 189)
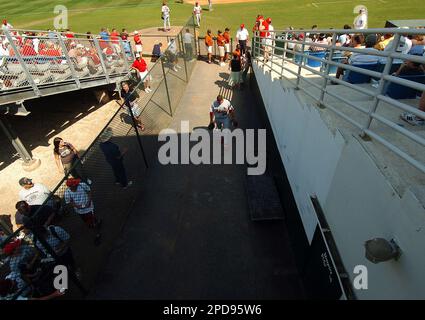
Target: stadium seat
point(314, 63)
point(337, 57)
point(393, 69)
point(356, 77)
point(398, 91)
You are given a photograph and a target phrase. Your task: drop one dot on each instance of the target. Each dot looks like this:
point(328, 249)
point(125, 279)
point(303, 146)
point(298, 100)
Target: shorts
point(221, 51)
point(227, 47)
point(139, 48)
point(143, 75)
point(235, 77)
point(210, 49)
point(136, 110)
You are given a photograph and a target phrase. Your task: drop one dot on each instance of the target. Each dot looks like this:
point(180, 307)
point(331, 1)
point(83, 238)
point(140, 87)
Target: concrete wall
point(358, 201)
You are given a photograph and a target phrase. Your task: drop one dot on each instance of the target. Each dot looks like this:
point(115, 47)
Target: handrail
point(269, 46)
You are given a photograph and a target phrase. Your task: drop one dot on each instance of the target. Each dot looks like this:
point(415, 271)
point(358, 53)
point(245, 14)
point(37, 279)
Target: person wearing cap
point(242, 37)
point(197, 10)
point(226, 36)
point(104, 34)
point(209, 42)
point(220, 43)
point(114, 156)
point(360, 22)
point(188, 39)
point(368, 56)
point(33, 193)
point(130, 102)
point(138, 42)
point(221, 113)
point(141, 67)
point(166, 16)
point(6, 26)
point(269, 41)
point(78, 196)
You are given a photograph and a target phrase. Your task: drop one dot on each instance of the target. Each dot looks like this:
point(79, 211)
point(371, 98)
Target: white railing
point(273, 51)
point(31, 60)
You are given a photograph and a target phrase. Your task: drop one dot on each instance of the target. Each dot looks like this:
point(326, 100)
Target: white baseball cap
point(136, 32)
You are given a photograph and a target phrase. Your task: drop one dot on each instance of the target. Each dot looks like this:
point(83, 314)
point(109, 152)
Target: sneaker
point(412, 119)
point(175, 69)
point(150, 90)
point(129, 184)
point(147, 90)
point(222, 64)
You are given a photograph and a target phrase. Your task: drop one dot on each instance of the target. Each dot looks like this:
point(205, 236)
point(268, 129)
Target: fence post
point(299, 67)
point(166, 86)
point(16, 142)
point(22, 63)
point(328, 66)
point(381, 86)
point(68, 59)
point(124, 54)
point(102, 61)
point(184, 55)
point(139, 141)
point(196, 41)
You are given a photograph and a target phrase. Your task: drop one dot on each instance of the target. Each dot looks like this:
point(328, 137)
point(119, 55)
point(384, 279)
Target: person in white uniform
point(197, 10)
point(166, 16)
point(360, 22)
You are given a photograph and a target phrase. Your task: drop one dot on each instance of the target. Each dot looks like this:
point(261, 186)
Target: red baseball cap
point(72, 182)
point(10, 248)
point(242, 25)
point(269, 20)
point(4, 21)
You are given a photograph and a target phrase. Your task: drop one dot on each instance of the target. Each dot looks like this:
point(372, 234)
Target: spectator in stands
point(220, 43)
point(209, 43)
point(321, 39)
point(242, 36)
point(344, 39)
point(114, 156)
point(413, 119)
point(235, 67)
point(115, 36)
point(367, 57)
point(383, 43)
point(124, 34)
point(104, 34)
point(410, 68)
point(33, 215)
point(418, 45)
point(67, 159)
point(93, 62)
point(166, 16)
point(33, 193)
point(78, 196)
point(227, 44)
point(69, 34)
point(404, 46)
point(188, 39)
point(138, 42)
point(10, 289)
point(142, 68)
point(156, 52)
point(18, 253)
point(356, 42)
point(6, 26)
point(130, 102)
point(28, 48)
point(360, 22)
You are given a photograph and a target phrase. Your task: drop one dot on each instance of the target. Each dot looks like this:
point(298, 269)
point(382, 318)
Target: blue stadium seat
point(356, 77)
point(337, 57)
point(314, 63)
point(398, 91)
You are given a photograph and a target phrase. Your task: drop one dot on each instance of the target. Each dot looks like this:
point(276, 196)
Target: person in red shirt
point(209, 44)
point(138, 42)
point(69, 34)
point(124, 35)
point(142, 68)
point(226, 36)
point(115, 36)
point(28, 49)
point(220, 43)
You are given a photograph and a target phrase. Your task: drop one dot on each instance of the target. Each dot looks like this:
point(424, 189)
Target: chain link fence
point(79, 222)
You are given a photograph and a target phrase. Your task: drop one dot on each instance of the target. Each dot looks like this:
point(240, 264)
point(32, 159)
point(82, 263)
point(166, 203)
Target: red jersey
point(115, 37)
point(226, 36)
point(263, 33)
point(137, 39)
point(220, 41)
point(209, 41)
point(141, 65)
point(28, 51)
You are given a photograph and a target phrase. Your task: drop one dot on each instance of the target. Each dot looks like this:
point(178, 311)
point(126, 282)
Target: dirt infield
point(214, 2)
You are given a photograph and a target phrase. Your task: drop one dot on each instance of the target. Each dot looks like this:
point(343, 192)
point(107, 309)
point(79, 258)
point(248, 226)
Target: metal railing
point(32, 60)
point(278, 52)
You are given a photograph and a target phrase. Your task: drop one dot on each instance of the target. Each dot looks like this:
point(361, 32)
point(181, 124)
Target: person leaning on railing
point(209, 42)
point(356, 42)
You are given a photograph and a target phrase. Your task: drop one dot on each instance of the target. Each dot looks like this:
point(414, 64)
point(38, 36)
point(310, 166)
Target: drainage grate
point(263, 198)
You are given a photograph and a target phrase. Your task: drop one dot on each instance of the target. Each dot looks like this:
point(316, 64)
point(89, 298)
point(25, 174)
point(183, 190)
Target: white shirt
point(80, 198)
point(364, 58)
point(271, 33)
point(172, 46)
point(404, 46)
point(187, 38)
point(197, 9)
point(242, 34)
point(36, 195)
point(7, 26)
point(165, 11)
point(221, 109)
point(360, 22)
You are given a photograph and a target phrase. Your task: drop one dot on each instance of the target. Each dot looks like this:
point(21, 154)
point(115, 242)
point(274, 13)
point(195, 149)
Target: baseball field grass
point(91, 15)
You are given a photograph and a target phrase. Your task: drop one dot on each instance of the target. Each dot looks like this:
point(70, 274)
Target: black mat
point(263, 198)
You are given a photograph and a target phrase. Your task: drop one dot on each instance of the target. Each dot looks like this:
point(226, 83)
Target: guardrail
point(278, 51)
point(31, 60)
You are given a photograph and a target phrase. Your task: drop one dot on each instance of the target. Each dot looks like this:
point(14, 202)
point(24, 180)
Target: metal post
point(139, 141)
point(68, 59)
point(102, 61)
point(124, 54)
point(184, 56)
point(284, 54)
point(16, 142)
point(22, 62)
point(328, 66)
point(195, 40)
point(166, 86)
point(299, 67)
point(381, 86)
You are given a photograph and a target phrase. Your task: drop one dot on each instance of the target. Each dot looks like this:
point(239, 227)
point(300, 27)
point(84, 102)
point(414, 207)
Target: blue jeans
point(223, 122)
